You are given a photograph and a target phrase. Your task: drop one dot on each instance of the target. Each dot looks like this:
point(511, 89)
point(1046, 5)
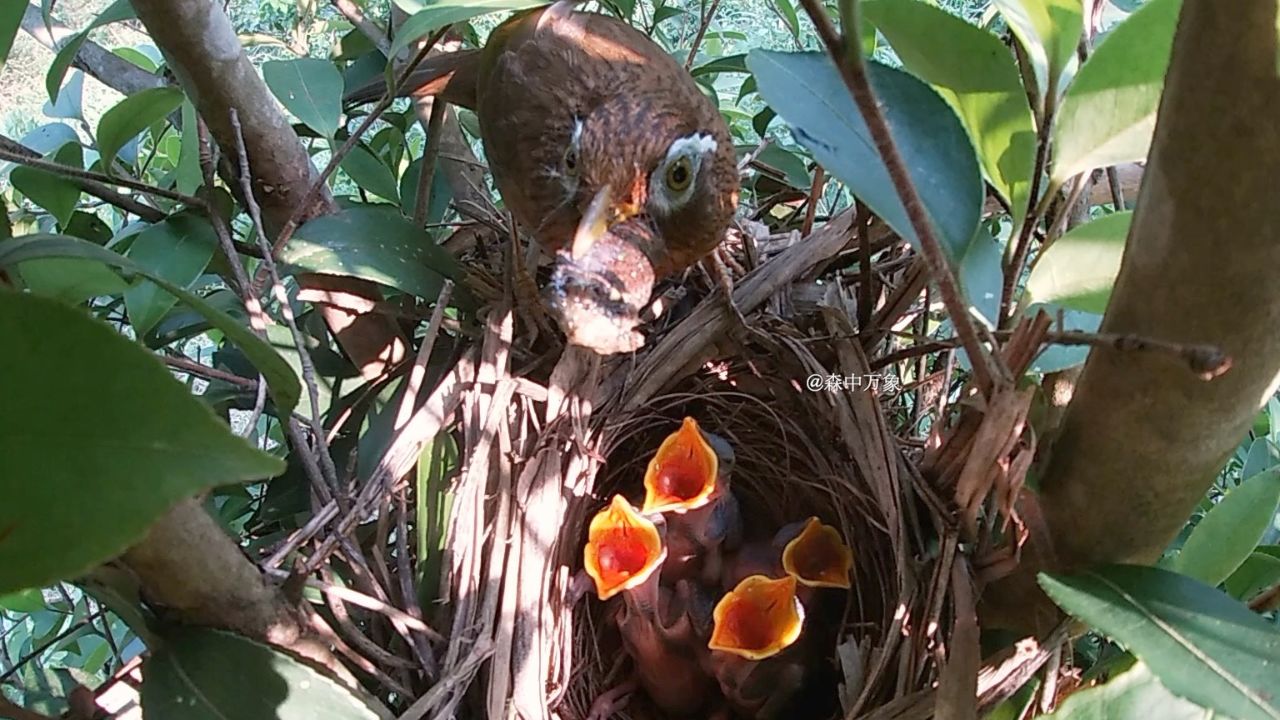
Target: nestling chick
point(623, 554)
point(755, 625)
point(688, 480)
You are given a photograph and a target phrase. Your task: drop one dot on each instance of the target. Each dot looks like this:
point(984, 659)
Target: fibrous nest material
point(544, 452)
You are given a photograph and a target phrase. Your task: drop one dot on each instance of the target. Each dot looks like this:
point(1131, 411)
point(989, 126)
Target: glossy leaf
point(70, 280)
point(55, 193)
point(188, 176)
point(371, 174)
point(1257, 573)
point(1049, 31)
point(977, 75)
point(24, 601)
point(282, 383)
point(117, 11)
point(724, 64)
point(1109, 111)
point(10, 20)
point(373, 243)
point(141, 442)
point(441, 192)
point(178, 249)
point(1079, 270)
point(430, 16)
point(982, 275)
point(309, 88)
point(203, 674)
point(1201, 644)
point(806, 90)
point(1132, 695)
point(1262, 455)
point(791, 165)
point(1230, 531)
point(131, 116)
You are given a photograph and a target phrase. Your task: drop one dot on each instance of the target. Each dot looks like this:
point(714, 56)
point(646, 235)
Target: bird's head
point(757, 619)
point(624, 549)
point(685, 473)
point(818, 557)
point(653, 191)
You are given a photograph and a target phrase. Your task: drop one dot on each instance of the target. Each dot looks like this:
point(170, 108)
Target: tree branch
point(108, 68)
point(1142, 439)
point(203, 51)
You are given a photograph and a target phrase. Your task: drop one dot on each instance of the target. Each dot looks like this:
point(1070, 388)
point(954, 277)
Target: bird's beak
point(682, 474)
point(818, 557)
point(757, 619)
point(623, 549)
point(594, 224)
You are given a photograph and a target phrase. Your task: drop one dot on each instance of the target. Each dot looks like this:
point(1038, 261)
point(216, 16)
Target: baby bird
point(688, 480)
point(755, 624)
point(623, 554)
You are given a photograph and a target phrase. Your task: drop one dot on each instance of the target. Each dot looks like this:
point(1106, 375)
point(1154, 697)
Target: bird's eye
point(679, 174)
point(571, 161)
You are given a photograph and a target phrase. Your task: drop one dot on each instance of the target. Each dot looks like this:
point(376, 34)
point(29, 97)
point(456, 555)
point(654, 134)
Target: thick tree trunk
point(1143, 438)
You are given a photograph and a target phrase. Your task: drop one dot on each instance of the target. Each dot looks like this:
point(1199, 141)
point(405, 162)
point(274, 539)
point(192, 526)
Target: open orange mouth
point(682, 474)
point(758, 619)
point(818, 557)
point(623, 548)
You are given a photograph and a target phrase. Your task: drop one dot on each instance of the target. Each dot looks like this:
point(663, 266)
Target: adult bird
point(604, 149)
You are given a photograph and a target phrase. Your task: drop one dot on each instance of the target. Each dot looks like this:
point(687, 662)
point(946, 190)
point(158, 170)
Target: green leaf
point(24, 601)
point(792, 166)
point(371, 174)
point(431, 16)
point(728, 63)
point(54, 193)
point(1109, 111)
point(70, 280)
point(1201, 644)
point(1262, 455)
point(117, 11)
point(310, 88)
point(177, 249)
point(1079, 270)
point(1132, 695)
point(441, 191)
point(10, 20)
point(202, 674)
point(189, 176)
point(131, 116)
point(282, 383)
point(1049, 31)
point(1257, 573)
point(977, 76)
point(374, 243)
point(98, 439)
point(787, 11)
point(1230, 530)
point(982, 275)
point(806, 90)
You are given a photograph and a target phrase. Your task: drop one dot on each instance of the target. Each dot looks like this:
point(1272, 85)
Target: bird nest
point(548, 441)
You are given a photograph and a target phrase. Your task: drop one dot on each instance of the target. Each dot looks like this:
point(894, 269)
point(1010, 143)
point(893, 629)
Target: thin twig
point(327, 469)
point(367, 27)
point(815, 194)
point(866, 280)
point(847, 53)
point(101, 189)
point(418, 373)
point(208, 151)
point(187, 365)
point(430, 154)
point(702, 32)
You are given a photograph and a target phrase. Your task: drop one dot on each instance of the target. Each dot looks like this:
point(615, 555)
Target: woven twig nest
point(535, 474)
